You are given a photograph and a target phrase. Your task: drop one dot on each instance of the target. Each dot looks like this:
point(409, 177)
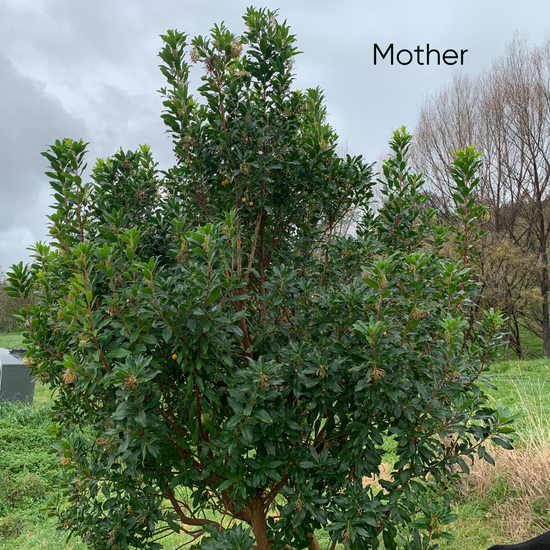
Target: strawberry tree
point(227, 370)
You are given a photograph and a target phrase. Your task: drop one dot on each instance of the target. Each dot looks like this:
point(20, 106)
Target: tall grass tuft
point(517, 489)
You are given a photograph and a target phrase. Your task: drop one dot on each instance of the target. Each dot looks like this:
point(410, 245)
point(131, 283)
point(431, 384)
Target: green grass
point(531, 346)
point(42, 395)
point(42, 535)
point(11, 340)
point(474, 530)
point(29, 473)
point(521, 385)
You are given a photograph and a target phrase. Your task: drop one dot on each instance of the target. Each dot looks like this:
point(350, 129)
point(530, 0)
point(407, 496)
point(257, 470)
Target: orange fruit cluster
point(226, 180)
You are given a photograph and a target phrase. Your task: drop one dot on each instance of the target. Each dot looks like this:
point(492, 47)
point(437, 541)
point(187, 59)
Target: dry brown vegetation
point(518, 487)
point(384, 473)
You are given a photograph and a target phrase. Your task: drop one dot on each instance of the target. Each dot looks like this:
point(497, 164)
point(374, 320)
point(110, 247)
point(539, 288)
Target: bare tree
point(506, 112)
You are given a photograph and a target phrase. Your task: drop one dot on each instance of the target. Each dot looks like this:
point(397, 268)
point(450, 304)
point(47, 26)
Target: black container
point(16, 383)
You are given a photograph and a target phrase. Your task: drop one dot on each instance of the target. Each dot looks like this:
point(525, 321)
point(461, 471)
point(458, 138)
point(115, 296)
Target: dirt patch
point(384, 473)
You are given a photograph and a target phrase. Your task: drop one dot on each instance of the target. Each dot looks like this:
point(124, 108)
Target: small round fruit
point(244, 199)
point(250, 203)
point(175, 356)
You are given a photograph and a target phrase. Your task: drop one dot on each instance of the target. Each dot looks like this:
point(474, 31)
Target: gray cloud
point(90, 70)
point(31, 120)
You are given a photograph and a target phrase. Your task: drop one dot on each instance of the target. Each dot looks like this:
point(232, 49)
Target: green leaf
point(262, 415)
point(213, 296)
point(372, 283)
point(167, 334)
point(225, 485)
point(149, 339)
point(119, 353)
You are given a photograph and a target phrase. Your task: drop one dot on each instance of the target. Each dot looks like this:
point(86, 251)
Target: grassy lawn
point(531, 346)
point(11, 340)
point(28, 473)
point(502, 504)
point(523, 387)
point(510, 502)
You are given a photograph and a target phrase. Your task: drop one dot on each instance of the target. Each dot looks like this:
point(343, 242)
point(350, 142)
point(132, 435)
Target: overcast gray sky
point(75, 68)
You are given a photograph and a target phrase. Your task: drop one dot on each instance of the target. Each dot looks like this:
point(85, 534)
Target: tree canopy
point(226, 366)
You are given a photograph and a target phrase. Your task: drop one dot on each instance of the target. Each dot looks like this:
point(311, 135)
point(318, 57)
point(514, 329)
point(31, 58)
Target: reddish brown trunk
point(314, 544)
point(259, 524)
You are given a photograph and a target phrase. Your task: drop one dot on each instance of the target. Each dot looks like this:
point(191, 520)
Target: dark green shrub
point(219, 353)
